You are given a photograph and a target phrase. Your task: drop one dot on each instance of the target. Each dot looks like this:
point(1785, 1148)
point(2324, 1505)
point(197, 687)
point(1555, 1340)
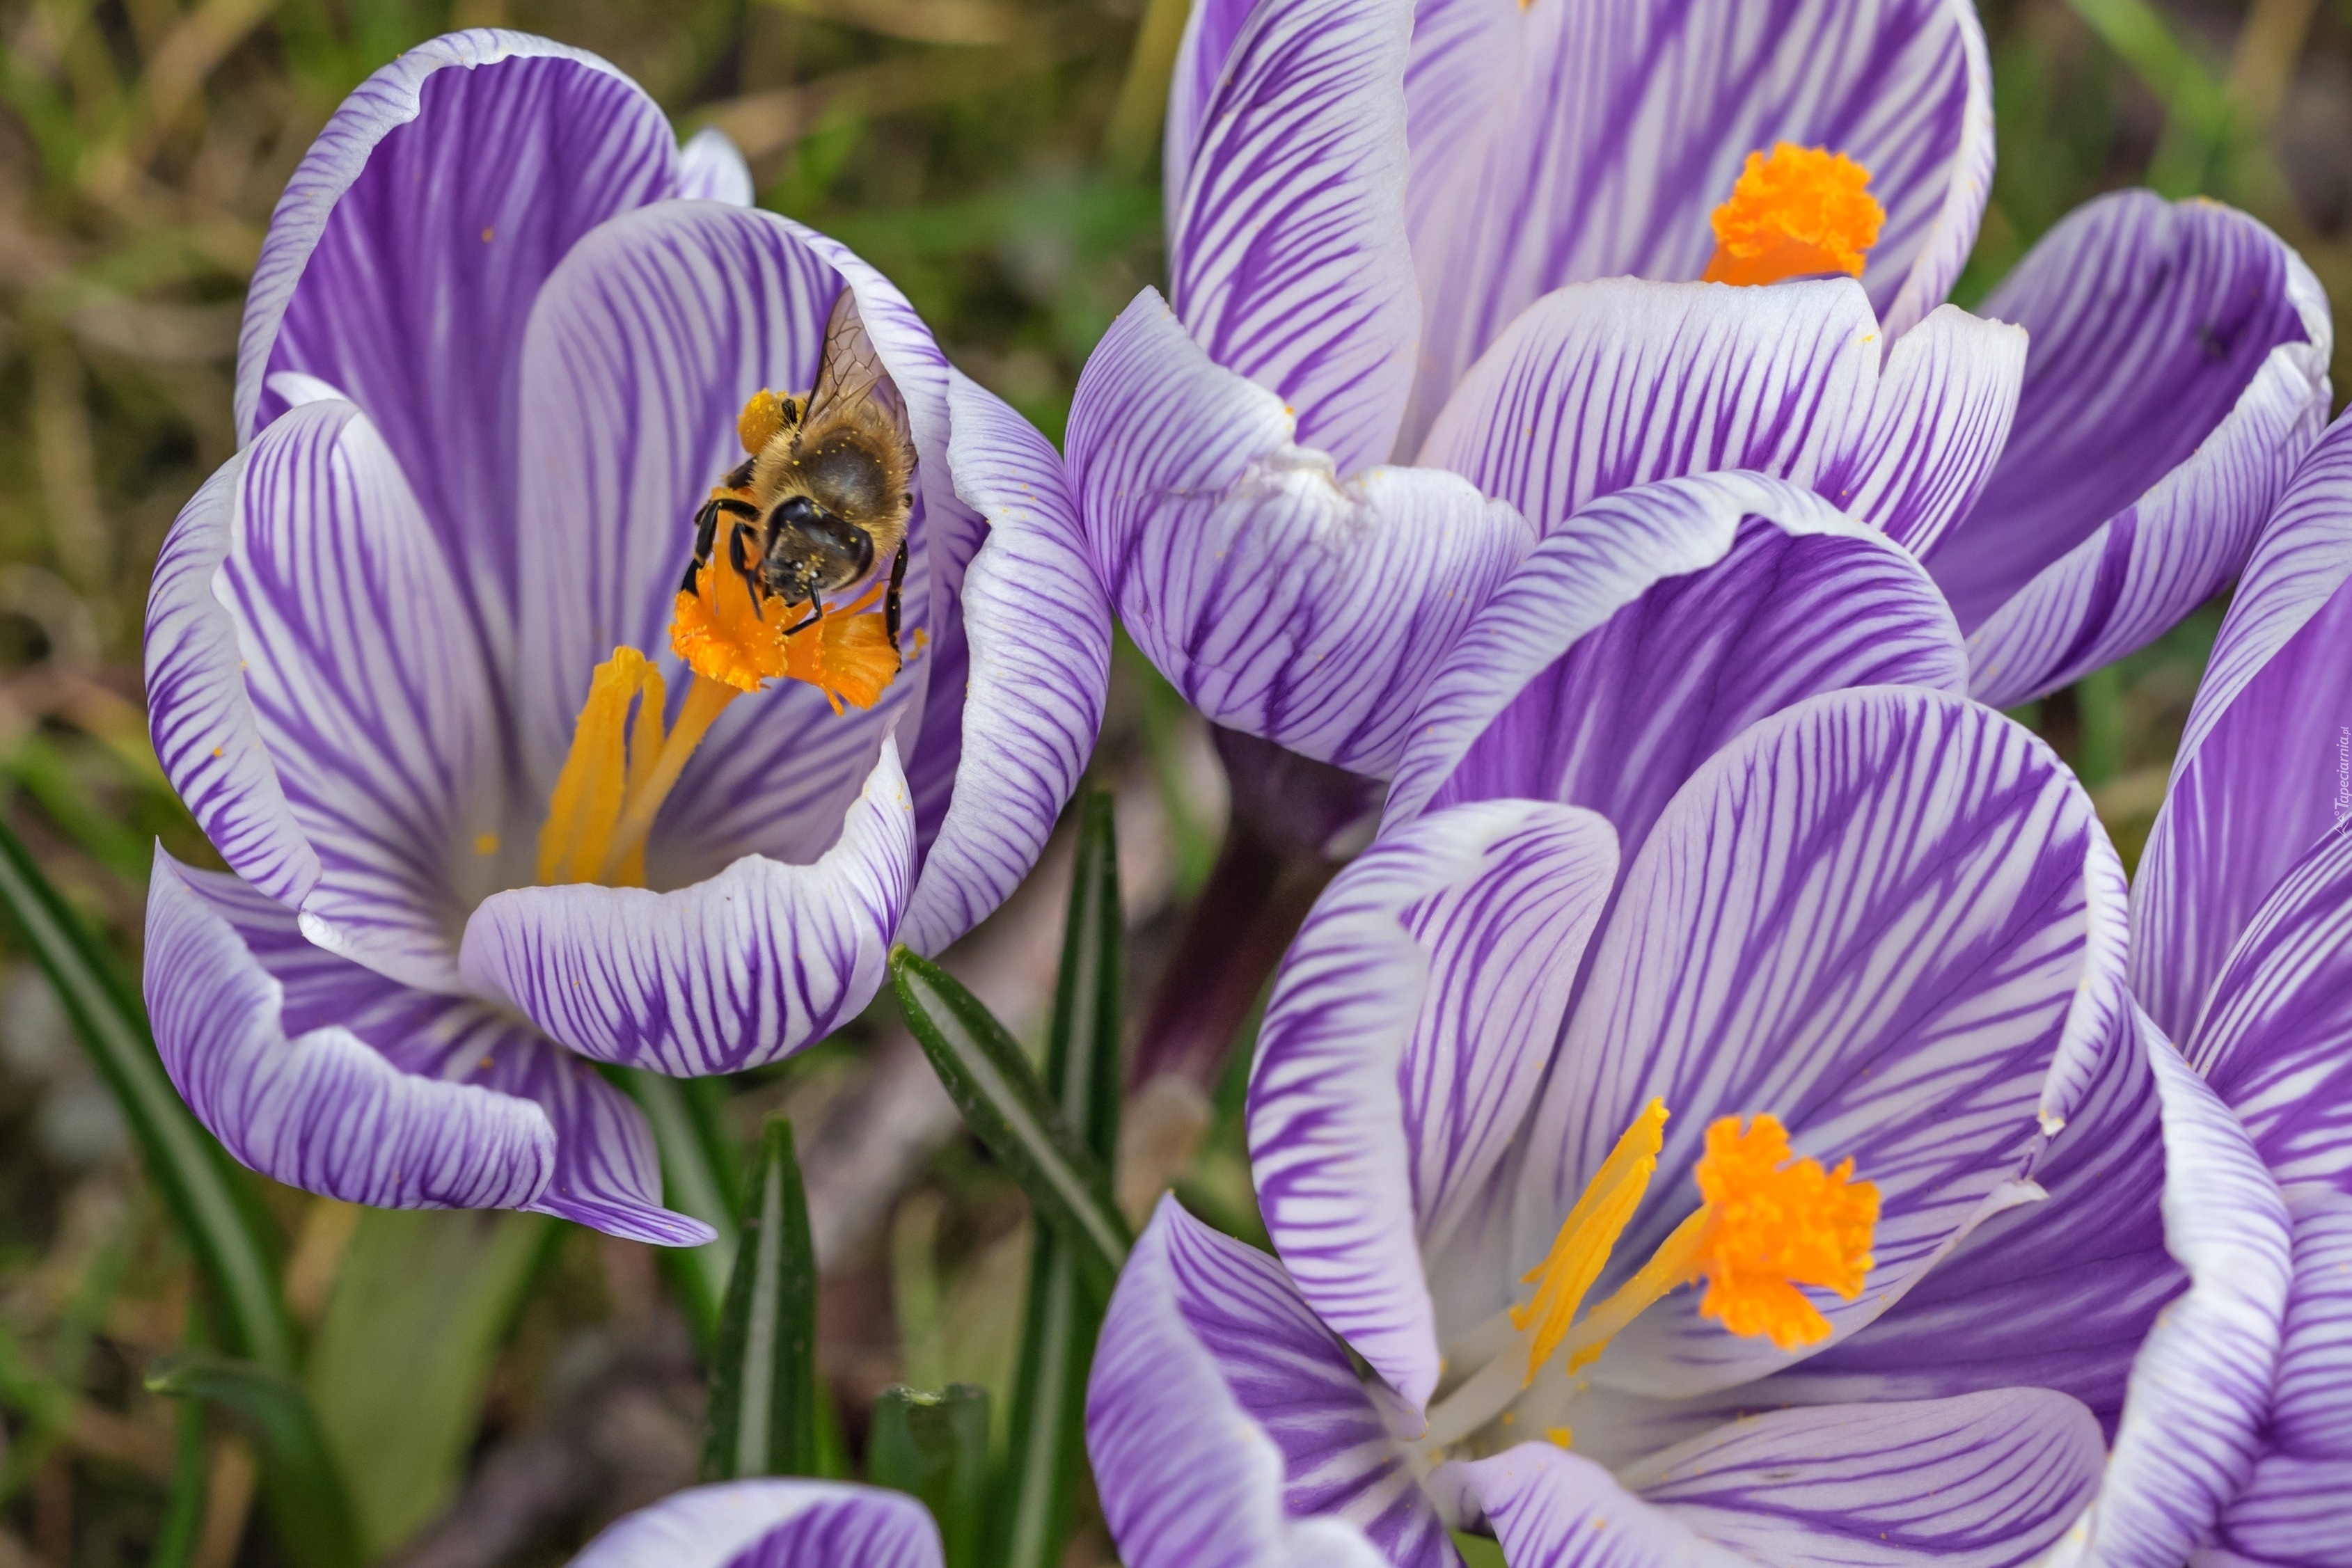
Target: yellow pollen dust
point(1769, 1223)
point(1797, 211)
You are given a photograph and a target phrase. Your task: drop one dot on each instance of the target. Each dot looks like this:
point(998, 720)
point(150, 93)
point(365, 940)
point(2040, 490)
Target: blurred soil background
point(498, 1387)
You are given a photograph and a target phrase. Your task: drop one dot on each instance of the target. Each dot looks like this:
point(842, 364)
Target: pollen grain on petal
point(1776, 1222)
point(1797, 211)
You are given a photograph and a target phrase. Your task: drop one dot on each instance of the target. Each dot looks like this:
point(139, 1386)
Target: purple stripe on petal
point(198, 713)
point(2264, 768)
point(643, 350)
point(1937, 425)
point(772, 1524)
point(1981, 1481)
point(319, 1109)
point(2290, 1512)
point(1553, 1508)
point(1287, 259)
point(1889, 917)
point(1558, 144)
point(2177, 370)
point(1279, 600)
point(1211, 27)
point(1227, 1427)
point(1410, 1026)
point(710, 168)
point(367, 690)
point(606, 1173)
point(403, 260)
point(1734, 596)
point(1605, 386)
point(739, 970)
point(2275, 1038)
point(1039, 632)
point(2201, 1384)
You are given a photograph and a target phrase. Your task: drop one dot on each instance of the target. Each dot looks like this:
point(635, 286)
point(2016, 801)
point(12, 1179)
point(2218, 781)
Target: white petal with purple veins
point(1227, 1426)
point(1039, 632)
point(742, 969)
point(710, 168)
point(1278, 600)
point(1287, 261)
point(1938, 422)
point(772, 1524)
point(367, 690)
point(1652, 628)
point(1877, 915)
point(1410, 1026)
point(1553, 1508)
point(2264, 768)
point(1555, 144)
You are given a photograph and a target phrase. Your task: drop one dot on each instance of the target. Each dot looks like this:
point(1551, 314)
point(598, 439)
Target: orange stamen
point(1800, 211)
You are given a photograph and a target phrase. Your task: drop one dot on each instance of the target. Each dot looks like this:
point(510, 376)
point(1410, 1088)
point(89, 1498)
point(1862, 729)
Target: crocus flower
point(1384, 368)
point(500, 798)
point(1709, 1124)
point(771, 1524)
point(2241, 910)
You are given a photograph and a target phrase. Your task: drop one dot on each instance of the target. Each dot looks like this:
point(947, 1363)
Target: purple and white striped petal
point(1939, 423)
point(305, 610)
point(1287, 257)
point(1655, 626)
point(605, 1171)
point(772, 1524)
point(1277, 599)
point(1411, 1024)
point(1210, 29)
point(2179, 369)
point(1557, 144)
point(321, 1110)
point(1553, 1508)
point(1227, 1427)
point(1889, 917)
point(1038, 629)
point(739, 970)
point(2275, 1038)
point(1603, 385)
point(2200, 1389)
point(2057, 1294)
point(2264, 768)
point(710, 168)
point(2290, 1513)
point(1982, 1481)
point(643, 348)
point(402, 261)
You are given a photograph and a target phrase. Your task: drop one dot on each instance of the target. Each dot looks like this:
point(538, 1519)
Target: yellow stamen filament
point(1588, 1235)
point(1798, 212)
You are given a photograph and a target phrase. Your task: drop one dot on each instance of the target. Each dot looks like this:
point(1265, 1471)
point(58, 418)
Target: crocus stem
point(705, 701)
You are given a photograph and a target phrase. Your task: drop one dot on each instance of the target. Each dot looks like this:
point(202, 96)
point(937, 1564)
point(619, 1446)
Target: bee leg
point(705, 533)
point(741, 562)
point(739, 476)
point(816, 615)
point(890, 600)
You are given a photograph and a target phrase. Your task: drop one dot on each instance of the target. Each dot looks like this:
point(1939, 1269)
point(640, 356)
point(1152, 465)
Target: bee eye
point(797, 510)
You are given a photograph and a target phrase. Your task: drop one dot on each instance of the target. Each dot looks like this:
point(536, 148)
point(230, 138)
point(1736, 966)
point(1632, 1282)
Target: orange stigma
point(1778, 1223)
point(1798, 212)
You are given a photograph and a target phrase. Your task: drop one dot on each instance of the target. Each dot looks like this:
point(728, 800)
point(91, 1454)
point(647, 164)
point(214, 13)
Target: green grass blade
point(305, 1494)
point(1002, 1100)
point(209, 1196)
point(1082, 1079)
point(184, 1512)
point(763, 1382)
point(935, 1446)
point(700, 1178)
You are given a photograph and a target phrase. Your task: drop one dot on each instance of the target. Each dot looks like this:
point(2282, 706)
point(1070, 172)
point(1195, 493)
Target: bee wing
point(852, 372)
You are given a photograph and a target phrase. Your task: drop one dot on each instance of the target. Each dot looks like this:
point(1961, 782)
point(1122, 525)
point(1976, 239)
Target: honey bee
point(830, 492)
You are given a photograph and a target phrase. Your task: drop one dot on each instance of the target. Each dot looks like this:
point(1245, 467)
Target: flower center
point(734, 636)
point(1796, 212)
point(1769, 1223)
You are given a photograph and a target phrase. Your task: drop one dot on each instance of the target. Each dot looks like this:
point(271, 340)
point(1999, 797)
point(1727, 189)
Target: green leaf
point(1031, 1522)
point(421, 1303)
point(300, 1482)
point(763, 1382)
point(211, 1198)
point(935, 1446)
point(993, 1085)
point(700, 1177)
point(183, 1513)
